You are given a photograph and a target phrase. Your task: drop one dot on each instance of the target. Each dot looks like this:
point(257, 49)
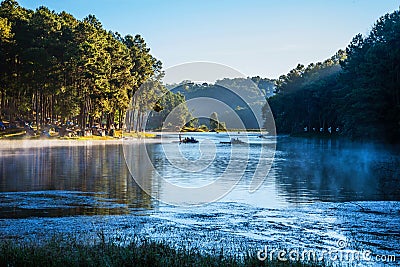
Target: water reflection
point(203, 172)
point(308, 170)
point(97, 172)
point(94, 179)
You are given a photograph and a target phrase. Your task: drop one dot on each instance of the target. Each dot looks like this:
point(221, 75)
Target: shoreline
point(32, 143)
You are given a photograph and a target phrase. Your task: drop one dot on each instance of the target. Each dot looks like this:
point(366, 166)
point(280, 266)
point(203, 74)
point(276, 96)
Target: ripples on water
point(303, 201)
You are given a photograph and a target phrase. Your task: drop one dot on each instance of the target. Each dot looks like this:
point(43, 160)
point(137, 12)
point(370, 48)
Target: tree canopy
point(54, 67)
point(356, 92)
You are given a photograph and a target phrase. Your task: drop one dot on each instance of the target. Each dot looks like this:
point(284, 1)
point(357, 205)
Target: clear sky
point(265, 38)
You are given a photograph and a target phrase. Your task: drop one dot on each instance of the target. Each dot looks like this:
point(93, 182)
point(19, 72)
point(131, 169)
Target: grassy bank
point(18, 133)
point(71, 252)
point(12, 134)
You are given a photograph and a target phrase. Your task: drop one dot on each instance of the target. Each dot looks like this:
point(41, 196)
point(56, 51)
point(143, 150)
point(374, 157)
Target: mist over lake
point(317, 191)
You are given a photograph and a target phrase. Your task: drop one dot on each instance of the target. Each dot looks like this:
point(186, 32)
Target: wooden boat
point(234, 141)
point(188, 140)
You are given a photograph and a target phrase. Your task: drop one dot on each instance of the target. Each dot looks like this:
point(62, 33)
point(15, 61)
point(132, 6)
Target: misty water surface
point(303, 171)
point(317, 192)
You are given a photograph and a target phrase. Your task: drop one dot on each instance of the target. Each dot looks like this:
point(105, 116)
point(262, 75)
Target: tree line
point(356, 93)
point(55, 67)
point(241, 97)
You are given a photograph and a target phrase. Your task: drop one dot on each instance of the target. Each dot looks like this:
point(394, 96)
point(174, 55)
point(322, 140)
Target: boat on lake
point(234, 141)
point(188, 140)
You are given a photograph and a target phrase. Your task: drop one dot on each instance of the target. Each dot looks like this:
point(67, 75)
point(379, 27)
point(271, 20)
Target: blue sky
point(265, 38)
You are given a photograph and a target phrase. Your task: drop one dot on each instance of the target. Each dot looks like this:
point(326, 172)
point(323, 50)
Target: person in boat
point(188, 140)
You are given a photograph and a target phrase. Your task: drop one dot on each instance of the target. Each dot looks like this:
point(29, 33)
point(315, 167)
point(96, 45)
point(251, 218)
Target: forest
point(355, 93)
point(56, 68)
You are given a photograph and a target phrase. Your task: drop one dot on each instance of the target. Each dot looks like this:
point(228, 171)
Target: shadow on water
point(308, 170)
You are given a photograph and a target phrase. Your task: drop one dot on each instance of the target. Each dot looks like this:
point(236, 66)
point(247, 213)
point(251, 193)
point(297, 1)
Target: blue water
point(316, 192)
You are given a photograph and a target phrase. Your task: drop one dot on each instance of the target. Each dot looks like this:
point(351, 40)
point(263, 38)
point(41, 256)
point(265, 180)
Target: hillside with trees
point(356, 93)
point(243, 96)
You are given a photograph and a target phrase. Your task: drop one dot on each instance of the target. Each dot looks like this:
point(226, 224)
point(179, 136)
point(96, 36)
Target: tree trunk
point(120, 119)
point(37, 108)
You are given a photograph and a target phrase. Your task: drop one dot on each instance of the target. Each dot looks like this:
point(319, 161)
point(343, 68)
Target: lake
point(316, 192)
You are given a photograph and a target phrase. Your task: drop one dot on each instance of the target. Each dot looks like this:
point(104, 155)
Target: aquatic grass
point(69, 251)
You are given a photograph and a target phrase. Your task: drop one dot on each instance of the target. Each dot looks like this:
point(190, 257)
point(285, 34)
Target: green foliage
point(357, 90)
point(239, 94)
point(147, 90)
point(55, 66)
point(304, 97)
point(5, 30)
point(371, 82)
point(171, 112)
